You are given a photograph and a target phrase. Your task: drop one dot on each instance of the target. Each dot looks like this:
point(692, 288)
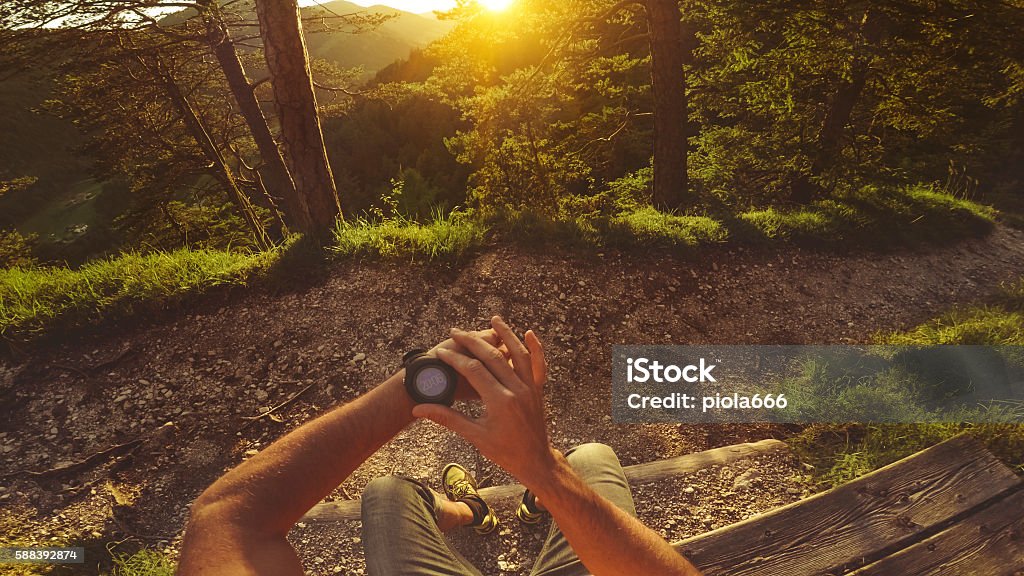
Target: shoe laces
point(461, 488)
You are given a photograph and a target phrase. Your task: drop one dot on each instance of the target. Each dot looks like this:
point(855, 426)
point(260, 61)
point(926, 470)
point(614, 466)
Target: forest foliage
point(805, 119)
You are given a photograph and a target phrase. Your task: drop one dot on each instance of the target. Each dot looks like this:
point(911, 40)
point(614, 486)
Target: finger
point(505, 352)
point(449, 418)
point(519, 354)
point(538, 364)
point(475, 372)
point(489, 336)
point(491, 357)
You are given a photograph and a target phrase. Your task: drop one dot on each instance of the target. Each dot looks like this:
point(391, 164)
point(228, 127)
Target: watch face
point(431, 382)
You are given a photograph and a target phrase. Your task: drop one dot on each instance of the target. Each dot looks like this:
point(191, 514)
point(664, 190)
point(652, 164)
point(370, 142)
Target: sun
point(496, 5)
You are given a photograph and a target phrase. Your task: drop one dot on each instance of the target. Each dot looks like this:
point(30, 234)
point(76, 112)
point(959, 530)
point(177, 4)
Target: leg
point(600, 469)
point(400, 533)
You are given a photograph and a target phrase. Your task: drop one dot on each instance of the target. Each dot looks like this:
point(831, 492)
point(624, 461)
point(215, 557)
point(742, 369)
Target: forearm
point(270, 492)
point(606, 538)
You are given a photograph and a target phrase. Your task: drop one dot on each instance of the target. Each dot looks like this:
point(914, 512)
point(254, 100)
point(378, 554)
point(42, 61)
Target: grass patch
point(33, 300)
point(999, 323)
point(444, 237)
point(871, 217)
point(840, 453)
point(142, 563)
point(649, 227)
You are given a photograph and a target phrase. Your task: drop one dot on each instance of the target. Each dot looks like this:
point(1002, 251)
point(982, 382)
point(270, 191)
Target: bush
point(16, 249)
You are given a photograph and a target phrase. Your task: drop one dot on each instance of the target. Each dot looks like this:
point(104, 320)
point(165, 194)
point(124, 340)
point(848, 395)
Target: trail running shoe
point(528, 512)
point(460, 486)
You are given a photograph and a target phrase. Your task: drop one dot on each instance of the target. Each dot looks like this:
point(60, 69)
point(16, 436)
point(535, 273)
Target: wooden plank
point(987, 543)
point(861, 521)
point(341, 510)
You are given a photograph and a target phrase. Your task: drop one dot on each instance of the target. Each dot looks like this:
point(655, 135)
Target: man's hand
point(509, 377)
point(463, 390)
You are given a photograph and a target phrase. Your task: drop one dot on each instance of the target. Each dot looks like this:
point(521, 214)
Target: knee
point(388, 488)
point(591, 451)
point(594, 461)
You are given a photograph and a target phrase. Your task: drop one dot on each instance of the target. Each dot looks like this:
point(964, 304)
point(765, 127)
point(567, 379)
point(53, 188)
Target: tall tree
point(197, 128)
point(295, 101)
point(273, 172)
point(668, 83)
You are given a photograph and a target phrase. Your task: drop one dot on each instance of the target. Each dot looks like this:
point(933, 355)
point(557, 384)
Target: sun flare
point(496, 5)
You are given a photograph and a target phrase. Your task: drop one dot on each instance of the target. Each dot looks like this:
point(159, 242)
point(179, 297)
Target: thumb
point(445, 416)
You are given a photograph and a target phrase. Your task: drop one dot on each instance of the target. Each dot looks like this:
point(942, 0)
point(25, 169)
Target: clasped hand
point(509, 377)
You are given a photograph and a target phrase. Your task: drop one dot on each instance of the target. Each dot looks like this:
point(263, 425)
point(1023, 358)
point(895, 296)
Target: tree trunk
point(288, 64)
point(221, 171)
point(274, 171)
point(668, 83)
point(829, 144)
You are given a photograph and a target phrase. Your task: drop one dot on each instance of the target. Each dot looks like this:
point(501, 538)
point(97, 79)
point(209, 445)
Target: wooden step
point(988, 543)
point(863, 521)
point(341, 510)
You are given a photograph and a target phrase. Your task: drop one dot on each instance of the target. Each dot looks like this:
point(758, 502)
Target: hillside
point(377, 48)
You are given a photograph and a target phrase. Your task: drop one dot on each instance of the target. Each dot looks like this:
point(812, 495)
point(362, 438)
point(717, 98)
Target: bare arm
point(513, 434)
point(238, 525)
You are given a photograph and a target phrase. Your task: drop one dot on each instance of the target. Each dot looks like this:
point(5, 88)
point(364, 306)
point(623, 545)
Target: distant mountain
point(373, 49)
point(377, 48)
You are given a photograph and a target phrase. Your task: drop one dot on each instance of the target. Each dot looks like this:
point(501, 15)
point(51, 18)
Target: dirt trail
point(228, 356)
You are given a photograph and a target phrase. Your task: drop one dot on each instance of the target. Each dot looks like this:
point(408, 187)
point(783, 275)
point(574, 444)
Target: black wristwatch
point(427, 379)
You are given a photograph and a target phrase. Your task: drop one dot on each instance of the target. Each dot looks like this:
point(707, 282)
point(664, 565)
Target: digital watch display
point(429, 380)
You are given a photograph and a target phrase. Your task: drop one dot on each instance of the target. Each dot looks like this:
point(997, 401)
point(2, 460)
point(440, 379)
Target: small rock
point(359, 357)
point(746, 480)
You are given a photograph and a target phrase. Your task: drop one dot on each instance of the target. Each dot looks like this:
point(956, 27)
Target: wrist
point(397, 397)
point(551, 474)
